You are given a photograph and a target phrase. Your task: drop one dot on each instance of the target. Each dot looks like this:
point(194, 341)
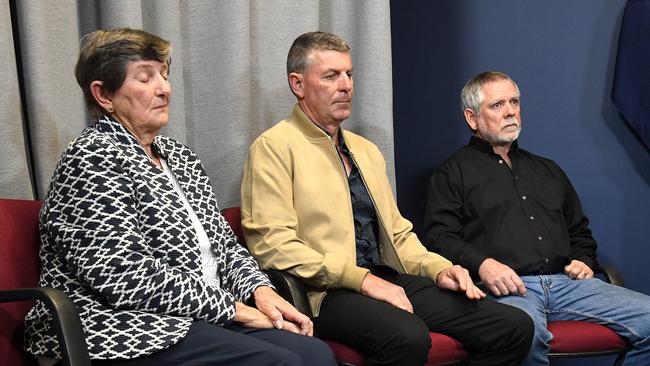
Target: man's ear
point(296, 82)
point(100, 95)
point(471, 118)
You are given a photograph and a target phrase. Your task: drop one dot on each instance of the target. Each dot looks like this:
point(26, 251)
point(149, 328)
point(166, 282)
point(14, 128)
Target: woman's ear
point(100, 95)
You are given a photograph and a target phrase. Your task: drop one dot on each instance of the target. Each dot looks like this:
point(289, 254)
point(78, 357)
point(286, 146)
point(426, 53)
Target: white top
point(208, 259)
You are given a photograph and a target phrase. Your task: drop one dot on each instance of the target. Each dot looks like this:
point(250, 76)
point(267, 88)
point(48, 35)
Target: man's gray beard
point(495, 139)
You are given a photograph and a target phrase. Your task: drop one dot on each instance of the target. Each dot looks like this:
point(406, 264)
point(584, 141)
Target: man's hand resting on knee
point(379, 289)
point(501, 279)
point(457, 278)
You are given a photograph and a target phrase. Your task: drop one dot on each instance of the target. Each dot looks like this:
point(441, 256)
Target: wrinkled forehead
point(498, 89)
point(327, 58)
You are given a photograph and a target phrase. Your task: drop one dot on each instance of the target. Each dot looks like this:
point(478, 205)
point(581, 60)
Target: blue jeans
point(558, 297)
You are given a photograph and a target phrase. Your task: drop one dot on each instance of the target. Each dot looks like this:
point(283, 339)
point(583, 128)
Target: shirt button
point(500, 161)
point(539, 238)
point(516, 177)
point(546, 260)
point(532, 217)
point(523, 197)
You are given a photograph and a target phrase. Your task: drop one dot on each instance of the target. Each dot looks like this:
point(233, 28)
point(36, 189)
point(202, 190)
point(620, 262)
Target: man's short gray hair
point(298, 58)
point(472, 95)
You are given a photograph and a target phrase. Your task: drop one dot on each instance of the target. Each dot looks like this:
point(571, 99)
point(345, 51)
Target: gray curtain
point(228, 76)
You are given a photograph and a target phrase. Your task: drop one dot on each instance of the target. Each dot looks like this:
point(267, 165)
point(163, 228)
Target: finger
point(481, 293)
point(289, 312)
point(463, 279)
point(580, 273)
point(275, 315)
point(495, 290)
point(306, 325)
point(307, 328)
point(409, 307)
point(472, 293)
point(291, 327)
point(570, 268)
point(503, 288)
point(521, 288)
point(512, 287)
point(573, 272)
point(405, 304)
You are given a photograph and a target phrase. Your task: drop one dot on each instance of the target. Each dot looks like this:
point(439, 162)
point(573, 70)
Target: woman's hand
point(282, 314)
point(250, 317)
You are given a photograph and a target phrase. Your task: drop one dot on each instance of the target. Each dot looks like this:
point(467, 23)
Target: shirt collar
point(305, 125)
point(312, 130)
point(483, 146)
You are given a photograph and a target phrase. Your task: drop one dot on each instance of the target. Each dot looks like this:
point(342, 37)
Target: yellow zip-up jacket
point(297, 212)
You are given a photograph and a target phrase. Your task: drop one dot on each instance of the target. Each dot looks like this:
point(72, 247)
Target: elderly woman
point(131, 232)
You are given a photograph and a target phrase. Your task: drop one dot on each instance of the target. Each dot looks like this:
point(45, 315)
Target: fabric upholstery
point(19, 267)
point(444, 350)
point(572, 336)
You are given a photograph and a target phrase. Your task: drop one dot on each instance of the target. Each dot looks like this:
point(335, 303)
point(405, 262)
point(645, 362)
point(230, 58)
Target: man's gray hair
point(298, 58)
point(472, 95)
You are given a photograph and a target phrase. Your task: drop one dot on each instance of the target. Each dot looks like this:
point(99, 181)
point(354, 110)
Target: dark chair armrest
point(612, 275)
point(291, 289)
point(72, 342)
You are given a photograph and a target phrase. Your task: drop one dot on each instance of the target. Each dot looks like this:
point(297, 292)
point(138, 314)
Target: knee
point(521, 328)
point(313, 351)
point(302, 351)
point(416, 339)
point(524, 323)
point(282, 357)
point(410, 341)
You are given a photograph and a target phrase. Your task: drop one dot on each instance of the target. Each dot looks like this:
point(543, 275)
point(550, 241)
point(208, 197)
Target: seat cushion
point(443, 350)
point(571, 336)
point(19, 267)
point(233, 216)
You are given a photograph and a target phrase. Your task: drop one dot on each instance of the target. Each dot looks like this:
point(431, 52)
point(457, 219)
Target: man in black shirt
point(514, 221)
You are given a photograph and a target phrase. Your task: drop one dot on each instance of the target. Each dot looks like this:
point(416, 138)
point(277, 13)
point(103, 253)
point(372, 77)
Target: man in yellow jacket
point(316, 201)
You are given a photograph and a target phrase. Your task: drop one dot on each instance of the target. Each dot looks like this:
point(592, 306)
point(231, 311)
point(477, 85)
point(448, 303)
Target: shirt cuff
point(473, 263)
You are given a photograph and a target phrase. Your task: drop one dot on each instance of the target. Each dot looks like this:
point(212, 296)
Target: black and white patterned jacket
point(117, 239)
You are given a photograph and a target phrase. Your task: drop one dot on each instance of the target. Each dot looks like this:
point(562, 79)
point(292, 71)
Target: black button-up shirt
point(365, 218)
point(527, 217)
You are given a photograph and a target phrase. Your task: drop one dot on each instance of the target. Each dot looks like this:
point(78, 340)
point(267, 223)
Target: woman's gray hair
point(104, 57)
point(472, 94)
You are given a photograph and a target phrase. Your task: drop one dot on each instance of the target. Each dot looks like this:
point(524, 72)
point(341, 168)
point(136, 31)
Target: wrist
point(442, 273)
point(261, 291)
